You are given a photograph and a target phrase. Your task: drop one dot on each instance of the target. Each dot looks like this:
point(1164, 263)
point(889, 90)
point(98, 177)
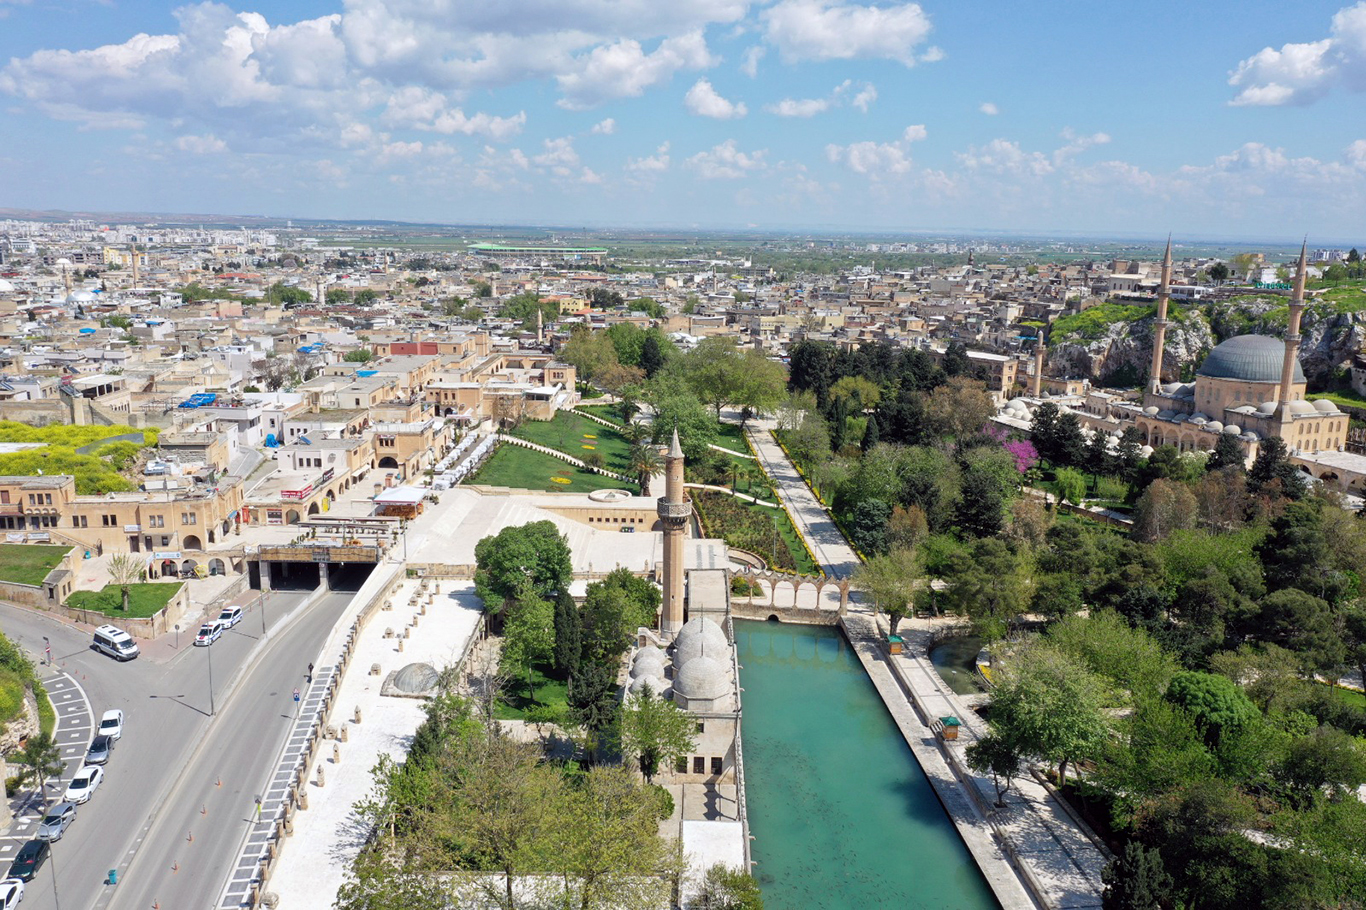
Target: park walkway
point(1033, 847)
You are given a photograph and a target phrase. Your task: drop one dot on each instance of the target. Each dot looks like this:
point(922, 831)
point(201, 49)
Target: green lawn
point(730, 436)
point(605, 411)
point(144, 600)
point(28, 564)
point(1349, 696)
point(573, 434)
point(516, 699)
point(525, 469)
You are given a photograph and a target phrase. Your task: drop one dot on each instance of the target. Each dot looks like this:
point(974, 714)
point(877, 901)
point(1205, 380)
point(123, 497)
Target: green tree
point(1327, 761)
point(359, 355)
point(890, 581)
point(592, 696)
point(529, 638)
point(959, 408)
point(1137, 880)
point(1272, 472)
point(1166, 506)
point(988, 583)
point(1217, 705)
point(645, 462)
point(652, 355)
point(1071, 485)
point(870, 433)
point(530, 559)
point(1305, 624)
point(654, 731)
point(1047, 705)
point(604, 298)
point(591, 353)
point(279, 293)
point(124, 571)
point(995, 755)
point(337, 296)
point(724, 888)
point(981, 509)
point(483, 289)
point(868, 526)
point(1228, 453)
point(568, 635)
point(39, 760)
point(677, 409)
point(1218, 273)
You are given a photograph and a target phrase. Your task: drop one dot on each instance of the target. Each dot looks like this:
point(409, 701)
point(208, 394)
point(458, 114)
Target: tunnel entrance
point(293, 576)
point(348, 576)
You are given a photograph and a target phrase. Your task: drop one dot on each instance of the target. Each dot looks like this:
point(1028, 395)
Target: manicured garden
point(527, 469)
point(752, 527)
point(546, 692)
point(29, 564)
point(144, 600)
point(610, 412)
point(578, 436)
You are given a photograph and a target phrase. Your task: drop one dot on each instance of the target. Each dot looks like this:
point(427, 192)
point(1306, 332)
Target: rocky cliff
point(1121, 352)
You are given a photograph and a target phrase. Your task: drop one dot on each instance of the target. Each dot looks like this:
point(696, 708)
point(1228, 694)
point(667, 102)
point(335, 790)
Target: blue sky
point(1209, 119)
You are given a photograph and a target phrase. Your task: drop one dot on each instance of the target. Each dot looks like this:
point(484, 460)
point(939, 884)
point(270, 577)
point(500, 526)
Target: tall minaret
point(540, 325)
point(674, 511)
point(135, 265)
point(1160, 324)
point(1036, 381)
point(1292, 336)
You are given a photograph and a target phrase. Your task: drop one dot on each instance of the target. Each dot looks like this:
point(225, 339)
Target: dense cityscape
point(726, 455)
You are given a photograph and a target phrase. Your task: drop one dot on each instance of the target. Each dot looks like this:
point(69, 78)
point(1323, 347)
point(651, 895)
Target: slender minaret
point(1036, 381)
point(1160, 324)
point(540, 325)
point(1292, 337)
point(135, 265)
point(674, 512)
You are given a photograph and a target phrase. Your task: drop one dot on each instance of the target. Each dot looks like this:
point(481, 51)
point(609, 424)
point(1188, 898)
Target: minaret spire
point(1160, 324)
point(1292, 334)
point(1036, 381)
point(674, 512)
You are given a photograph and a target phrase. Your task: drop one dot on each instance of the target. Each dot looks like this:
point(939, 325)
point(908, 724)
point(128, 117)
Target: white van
point(115, 642)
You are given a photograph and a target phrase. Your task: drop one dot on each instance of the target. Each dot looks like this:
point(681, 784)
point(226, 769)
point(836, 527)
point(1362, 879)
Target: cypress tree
point(568, 635)
point(870, 434)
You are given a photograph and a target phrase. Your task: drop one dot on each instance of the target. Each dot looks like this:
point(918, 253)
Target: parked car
point(29, 860)
point(55, 823)
point(111, 723)
point(84, 784)
point(209, 633)
point(99, 750)
point(11, 893)
point(230, 616)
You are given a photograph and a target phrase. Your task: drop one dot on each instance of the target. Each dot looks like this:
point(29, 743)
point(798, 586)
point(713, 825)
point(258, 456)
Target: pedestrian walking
point(309, 676)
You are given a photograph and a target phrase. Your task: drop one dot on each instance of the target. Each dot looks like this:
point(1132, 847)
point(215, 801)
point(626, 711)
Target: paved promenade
point(1031, 852)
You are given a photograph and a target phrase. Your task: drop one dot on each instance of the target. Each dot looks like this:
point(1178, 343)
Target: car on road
point(230, 616)
point(111, 723)
point(115, 642)
point(83, 785)
point(209, 633)
point(99, 750)
point(11, 893)
point(57, 820)
point(29, 860)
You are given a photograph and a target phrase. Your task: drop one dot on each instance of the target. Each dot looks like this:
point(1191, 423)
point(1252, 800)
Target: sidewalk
point(1049, 856)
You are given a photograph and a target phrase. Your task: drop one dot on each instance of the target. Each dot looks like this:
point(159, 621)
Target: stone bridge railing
point(796, 583)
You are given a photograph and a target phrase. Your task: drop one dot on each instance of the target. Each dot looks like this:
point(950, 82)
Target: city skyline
point(1227, 122)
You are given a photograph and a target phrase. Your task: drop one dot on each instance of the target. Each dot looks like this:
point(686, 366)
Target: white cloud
point(1001, 156)
point(1356, 154)
point(623, 69)
point(200, 145)
point(810, 107)
point(878, 159)
point(749, 63)
point(558, 156)
point(418, 108)
point(604, 127)
point(651, 164)
point(704, 101)
point(1302, 73)
point(726, 162)
point(989, 108)
point(1076, 144)
point(589, 176)
point(825, 30)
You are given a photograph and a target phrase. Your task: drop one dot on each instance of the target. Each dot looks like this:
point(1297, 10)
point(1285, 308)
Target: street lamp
point(265, 592)
point(209, 651)
point(52, 858)
point(177, 636)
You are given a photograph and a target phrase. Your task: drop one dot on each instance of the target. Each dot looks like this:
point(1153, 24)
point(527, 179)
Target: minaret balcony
point(675, 511)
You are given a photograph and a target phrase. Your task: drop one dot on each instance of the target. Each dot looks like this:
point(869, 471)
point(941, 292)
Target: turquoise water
point(956, 660)
point(841, 814)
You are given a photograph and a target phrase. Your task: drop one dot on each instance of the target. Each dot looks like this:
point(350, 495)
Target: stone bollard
point(400, 645)
point(336, 754)
point(357, 720)
point(303, 800)
point(374, 669)
point(272, 851)
point(289, 826)
point(389, 632)
point(281, 829)
point(331, 732)
point(270, 899)
point(341, 734)
point(255, 894)
point(322, 780)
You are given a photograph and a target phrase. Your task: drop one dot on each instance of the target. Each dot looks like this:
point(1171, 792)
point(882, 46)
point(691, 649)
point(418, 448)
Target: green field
point(576, 435)
point(516, 698)
point(28, 564)
point(751, 527)
point(144, 600)
point(605, 411)
point(524, 469)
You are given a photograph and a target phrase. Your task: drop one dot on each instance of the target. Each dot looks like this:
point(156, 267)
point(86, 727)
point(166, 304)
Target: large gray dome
point(700, 627)
point(1250, 358)
point(415, 679)
point(702, 678)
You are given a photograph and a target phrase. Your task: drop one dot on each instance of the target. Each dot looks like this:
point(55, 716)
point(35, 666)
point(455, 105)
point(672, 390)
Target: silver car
point(55, 823)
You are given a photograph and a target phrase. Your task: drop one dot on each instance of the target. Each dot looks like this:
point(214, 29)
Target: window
point(165, 540)
point(699, 765)
point(156, 521)
point(715, 767)
point(701, 727)
point(681, 766)
point(78, 521)
point(47, 499)
point(189, 518)
point(4, 497)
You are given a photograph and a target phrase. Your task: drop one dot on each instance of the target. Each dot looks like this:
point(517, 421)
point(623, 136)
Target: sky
point(1210, 119)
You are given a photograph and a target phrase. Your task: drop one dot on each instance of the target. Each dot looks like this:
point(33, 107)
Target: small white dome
point(702, 627)
point(648, 655)
point(1172, 388)
point(1245, 409)
point(1165, 414)
point(1199, 416)
point(639, 684)
point(1266, 408)
point(1146, 451)
point(1233, 429)
point(1324, 406)
point(702, 678)
point(6, 287)
point(1215, 426)
point(81, 296)
point(1251, 436)
point(1151, 411)
point(1301, 407)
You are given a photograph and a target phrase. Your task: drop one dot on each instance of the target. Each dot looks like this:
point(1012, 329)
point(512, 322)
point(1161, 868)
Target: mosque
point(1250, 387)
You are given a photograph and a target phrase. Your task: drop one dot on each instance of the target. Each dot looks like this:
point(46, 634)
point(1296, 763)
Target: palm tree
point(645, 463)
point(38, 761)
point(635, 432)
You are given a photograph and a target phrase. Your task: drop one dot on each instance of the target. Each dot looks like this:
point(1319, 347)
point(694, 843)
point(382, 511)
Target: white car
point(230, 616)
point(209, 633)
point(111, 723)
point(11, 893)
point(83, 786)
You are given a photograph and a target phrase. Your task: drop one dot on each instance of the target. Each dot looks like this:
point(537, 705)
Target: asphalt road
point(173, 755)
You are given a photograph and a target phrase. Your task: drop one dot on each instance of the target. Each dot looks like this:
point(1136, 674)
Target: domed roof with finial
point(703, 679)
point(1250, 358)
